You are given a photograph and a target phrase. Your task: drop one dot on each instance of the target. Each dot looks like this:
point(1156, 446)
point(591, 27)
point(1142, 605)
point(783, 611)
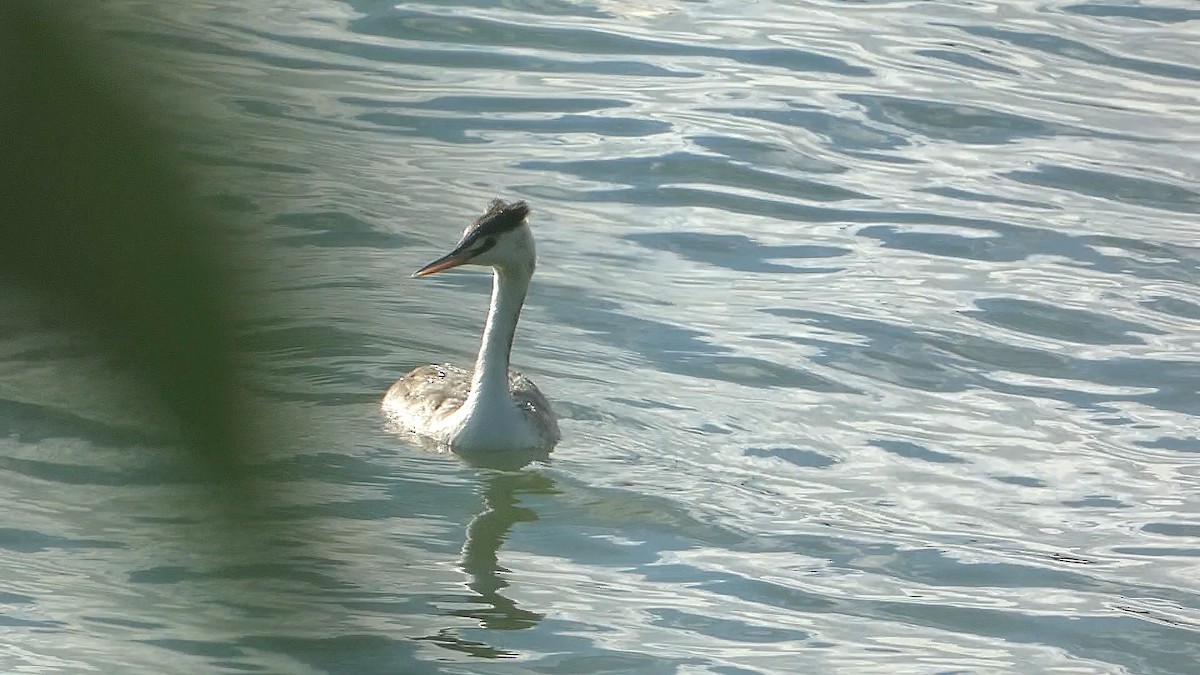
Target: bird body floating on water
point(490, 408)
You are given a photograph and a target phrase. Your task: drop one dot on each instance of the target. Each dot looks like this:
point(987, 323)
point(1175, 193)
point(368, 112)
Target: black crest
point(500, 217)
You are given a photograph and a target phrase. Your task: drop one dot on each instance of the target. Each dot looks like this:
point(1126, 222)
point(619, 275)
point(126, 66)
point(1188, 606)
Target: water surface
point(874, 328)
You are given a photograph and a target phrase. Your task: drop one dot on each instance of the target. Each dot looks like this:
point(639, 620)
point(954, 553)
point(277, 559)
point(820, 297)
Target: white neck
point(489, 382)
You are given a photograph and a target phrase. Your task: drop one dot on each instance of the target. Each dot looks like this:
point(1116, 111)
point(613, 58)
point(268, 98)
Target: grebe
point(492, 408)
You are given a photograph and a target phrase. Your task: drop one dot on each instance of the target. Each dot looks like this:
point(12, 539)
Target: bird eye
point(482, 246)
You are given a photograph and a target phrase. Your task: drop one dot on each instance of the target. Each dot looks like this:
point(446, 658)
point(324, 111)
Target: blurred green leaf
point(99, 226)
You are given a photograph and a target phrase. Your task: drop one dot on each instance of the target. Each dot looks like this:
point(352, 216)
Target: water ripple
point(1126, 189)
point(1084, 53)
point(483, 32)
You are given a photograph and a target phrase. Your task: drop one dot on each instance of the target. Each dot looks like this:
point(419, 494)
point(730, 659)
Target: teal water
point(874, 328)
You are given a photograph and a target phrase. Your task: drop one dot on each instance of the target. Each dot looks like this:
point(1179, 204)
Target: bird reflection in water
point(504, 479)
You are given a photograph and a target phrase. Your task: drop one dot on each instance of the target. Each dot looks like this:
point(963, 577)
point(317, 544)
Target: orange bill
point(451, 259)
